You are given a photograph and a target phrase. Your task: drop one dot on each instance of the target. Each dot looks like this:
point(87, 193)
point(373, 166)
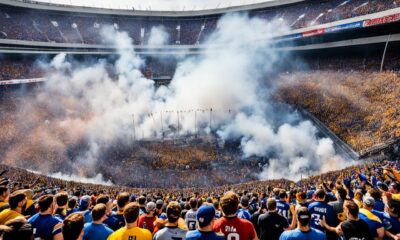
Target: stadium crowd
point(36, 25)
point(358, 202)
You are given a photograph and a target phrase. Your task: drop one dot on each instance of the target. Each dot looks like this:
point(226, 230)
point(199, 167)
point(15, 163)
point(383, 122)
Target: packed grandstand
point(293, 135)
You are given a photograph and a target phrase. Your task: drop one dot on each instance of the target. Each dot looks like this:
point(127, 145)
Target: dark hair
point(17, 228)
point(193, 203)
point(320, 193)
point(122, 199)
point(173, 211)
point(342, 192)
point(103, 199)
point(45, 202)
point(352, 207)
point(131, 212)
point(142, 200)
point(3, 189)
point(375, 194)
point(61, 198)
point(73, 226)
point(72, 203)
point(229, 203)
point(303, 216)
point(15, 198)
point(271, 204)
point(282, 194)
point(98, 211)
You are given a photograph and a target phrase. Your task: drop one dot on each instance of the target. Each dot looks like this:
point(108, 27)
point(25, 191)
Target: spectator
point(17, 203)
point(61, 201)
point(206, 219)
point(171, 229)
point(122, 200)
point(84, 208)
point(243, 212)
point(17, 228)
point(4, 194)
point(131, 230)
point(147, 220)
point(230, 225)
point(110, 221)
point(96, 230)
point(45, 226)
point(190, 216)
point(303, 231)
point(374, 223)
point(72, 227)
point(272, 224)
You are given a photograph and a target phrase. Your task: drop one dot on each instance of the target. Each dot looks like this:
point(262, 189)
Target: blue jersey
point(111, 222)
point(94, 231)
point(45, 226)
point(296, 234)
point(199, 235)
point(372, 220)
point(390, 223)
point(318, 210)
point(120, 219)
point(244, 214)
point(379, 206)
point(283, 208)
point(87, 214)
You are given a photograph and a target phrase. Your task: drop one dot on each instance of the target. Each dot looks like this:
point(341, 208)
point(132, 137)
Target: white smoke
point(229, 78)
point(97, 179)
point(158, 36)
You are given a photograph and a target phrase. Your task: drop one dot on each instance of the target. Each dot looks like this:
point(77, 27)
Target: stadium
point(292, 100)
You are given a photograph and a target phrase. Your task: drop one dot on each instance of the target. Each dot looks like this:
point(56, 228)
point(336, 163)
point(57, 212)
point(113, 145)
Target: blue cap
point(84, 202)
point(205, 215)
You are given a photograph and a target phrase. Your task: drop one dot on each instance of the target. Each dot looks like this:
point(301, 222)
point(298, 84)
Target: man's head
point(150, 208)
point(271, 204)
point(244, 202)
point(205, 216)
point(46, 203)
point(142, 200)
point(283, 195)
point(351, 208)
point(105, 199)
point(303, 216)
point(99, 212)
point(4, 192)
point(394, 187)
point(122, 200)
point(193, 203)
point(131, 212)
point(72, 203)
point(358, 194)
point(173, 212)
point(341, 193)
point(229, 203)
point(159, 205)
point(72, 228)
point(368, 203)
point(17, 202)
point(320, 194)
point(84, 202)
point(61, 199)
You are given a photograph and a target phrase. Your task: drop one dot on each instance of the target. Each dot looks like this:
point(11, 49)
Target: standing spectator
point(71, 206)
point(243, 212)
point(338, 204)
point(17, 204)
point(61, 201)
point(72, 227)
point(190, 217)
point(111, 221)
point(45, 225)
point(303, 230)
point(17, 229)
point(96, 230)
point(320, 210)
point(230, 225)
point(84, 208)
point(131, 229)
point(272, 224)
point(255, 216)
point(282, 205)
point(374, 223)
point(122, 200)
point(147, 220)
point(171, 229)
point(206, 219)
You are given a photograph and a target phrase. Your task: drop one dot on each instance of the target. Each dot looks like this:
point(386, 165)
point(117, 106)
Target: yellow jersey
point(135, 233)
point(7, 215)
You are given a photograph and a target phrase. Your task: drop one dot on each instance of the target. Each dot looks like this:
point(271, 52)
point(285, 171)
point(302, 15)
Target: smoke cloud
point(226, 90)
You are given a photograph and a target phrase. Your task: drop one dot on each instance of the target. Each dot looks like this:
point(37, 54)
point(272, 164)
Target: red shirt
point(235, 228)
point(147, 222)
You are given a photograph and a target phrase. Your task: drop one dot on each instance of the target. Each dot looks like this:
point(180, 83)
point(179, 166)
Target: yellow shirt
point(130, 234)
point(8, 215)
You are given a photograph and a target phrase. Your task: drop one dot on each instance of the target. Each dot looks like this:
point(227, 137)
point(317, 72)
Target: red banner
point(382, 20)
point(314, 32)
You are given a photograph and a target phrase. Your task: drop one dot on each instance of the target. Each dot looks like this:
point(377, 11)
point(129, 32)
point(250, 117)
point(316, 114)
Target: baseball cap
point(369, 201)
point(85, 200)
point(159, 203)
point(151, 206)
point(205, 214)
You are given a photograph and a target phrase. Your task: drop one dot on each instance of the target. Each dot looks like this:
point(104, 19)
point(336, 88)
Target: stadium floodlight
point(74, 26)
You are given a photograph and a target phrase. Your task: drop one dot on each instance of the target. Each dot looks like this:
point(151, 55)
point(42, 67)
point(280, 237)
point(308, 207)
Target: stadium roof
point(138, 9)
